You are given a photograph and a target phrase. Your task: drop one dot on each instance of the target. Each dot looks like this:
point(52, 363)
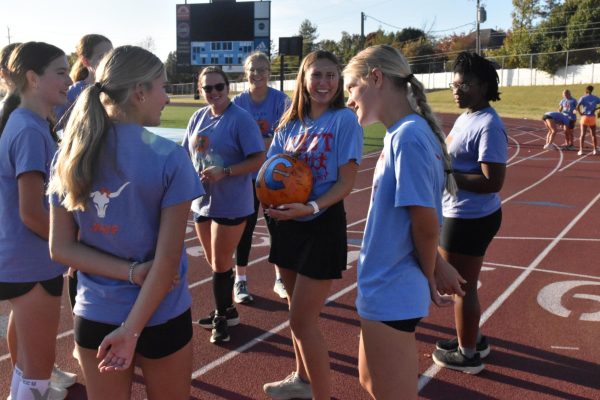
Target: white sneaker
point(580, 153)
point(291, 387)
point(55, 393)
point(279, 288)
point(547, 146)
point(594, 152)
point(62, 379)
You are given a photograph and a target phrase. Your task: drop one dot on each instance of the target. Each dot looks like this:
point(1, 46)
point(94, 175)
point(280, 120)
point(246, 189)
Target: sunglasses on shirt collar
point(218, 87)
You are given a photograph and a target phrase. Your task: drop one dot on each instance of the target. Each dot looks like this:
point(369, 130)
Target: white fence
point(575, 74)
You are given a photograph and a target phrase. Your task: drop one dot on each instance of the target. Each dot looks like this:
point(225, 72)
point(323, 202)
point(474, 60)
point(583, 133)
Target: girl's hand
point(212, 174)
point(288, 211)
point(140, 272)
point(437, 298)
point(447, 279)
point(117, 350)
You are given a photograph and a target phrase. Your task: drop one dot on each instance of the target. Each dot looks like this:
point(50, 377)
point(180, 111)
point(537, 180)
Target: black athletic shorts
point(221, 221)
point(154, 342)
point(10, 290)
point(317, 248)
point(470, 236)
point(404, 325)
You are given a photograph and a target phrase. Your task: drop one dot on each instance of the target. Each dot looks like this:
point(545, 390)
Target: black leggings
point(242, 253)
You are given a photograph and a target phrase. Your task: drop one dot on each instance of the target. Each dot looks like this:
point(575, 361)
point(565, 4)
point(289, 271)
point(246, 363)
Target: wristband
point(134, 334)
point(131, 268)
point(227, 171)
point(314, 206)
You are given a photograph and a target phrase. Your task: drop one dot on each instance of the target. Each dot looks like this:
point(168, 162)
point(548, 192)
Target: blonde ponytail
point(393, 65)
point(123, 69)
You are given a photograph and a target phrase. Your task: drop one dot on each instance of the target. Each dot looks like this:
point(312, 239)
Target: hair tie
point(409, 77)
point(99, 86)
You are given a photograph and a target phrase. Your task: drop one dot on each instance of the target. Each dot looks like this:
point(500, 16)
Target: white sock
point(240, 278)
point(16, 382)
point(277, 275)
point(32, 389)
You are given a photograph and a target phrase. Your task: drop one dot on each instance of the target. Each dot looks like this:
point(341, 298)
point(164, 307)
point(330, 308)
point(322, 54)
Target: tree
point(570, 26)
point(308, 31)
point(348, 46)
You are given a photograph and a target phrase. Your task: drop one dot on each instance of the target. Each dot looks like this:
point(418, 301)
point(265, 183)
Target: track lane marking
point(433, 370)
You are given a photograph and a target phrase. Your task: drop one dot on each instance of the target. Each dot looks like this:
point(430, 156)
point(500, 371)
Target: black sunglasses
point(218, 87)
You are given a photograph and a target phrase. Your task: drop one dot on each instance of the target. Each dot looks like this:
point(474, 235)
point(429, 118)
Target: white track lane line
point(432, 371)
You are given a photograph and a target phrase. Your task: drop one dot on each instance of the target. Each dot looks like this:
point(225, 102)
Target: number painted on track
point(550, 298)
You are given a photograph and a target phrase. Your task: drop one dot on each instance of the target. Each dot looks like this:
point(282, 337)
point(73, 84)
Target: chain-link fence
point(570, 67)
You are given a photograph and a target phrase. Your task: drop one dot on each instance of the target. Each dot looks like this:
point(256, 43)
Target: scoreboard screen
point(221, 33)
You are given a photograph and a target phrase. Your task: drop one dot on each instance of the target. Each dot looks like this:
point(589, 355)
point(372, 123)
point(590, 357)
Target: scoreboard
point(221, 33)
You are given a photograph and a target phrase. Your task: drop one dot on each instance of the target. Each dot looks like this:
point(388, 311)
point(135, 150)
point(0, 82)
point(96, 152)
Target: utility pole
point(362, 29)
point(477, 37)
point(481, 18)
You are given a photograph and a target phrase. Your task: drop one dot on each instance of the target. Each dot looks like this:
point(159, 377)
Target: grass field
point(516, 102)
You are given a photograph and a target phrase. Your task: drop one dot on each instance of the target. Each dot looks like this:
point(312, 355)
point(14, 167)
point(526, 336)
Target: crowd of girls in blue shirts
point(111, 201)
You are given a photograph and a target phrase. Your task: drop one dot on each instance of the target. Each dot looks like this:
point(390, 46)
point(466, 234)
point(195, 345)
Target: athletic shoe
point(279, 288)
point(55, 393)
point(482, 347)
point(547, 146)
point(291, 387)
point(62, 379)
point(571, 147)
point(594, 152)
point(233, 318)
point(240, 293)
point(580, 153)
point(219, 334)
point(458, 361)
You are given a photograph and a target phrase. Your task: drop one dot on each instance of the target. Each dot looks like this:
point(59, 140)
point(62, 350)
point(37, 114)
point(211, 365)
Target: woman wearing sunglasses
point(266, 105)
point(226, 147)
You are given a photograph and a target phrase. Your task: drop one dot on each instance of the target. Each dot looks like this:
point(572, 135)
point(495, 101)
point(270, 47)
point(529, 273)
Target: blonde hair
point(85, 48)
point(119, 74)
point(300, 106)
point(394, 66)
point(256, 56)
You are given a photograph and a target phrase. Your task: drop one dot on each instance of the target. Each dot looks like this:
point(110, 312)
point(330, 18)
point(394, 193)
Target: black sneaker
point(220, 334)
point(233, 318)
point(458, 361)
point(482, 347)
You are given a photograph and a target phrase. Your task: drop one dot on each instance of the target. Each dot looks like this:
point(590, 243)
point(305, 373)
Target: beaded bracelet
point(131, 268)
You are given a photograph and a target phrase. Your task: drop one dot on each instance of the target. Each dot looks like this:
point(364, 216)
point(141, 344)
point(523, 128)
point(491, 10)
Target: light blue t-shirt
point(475, 138)
point(141, 175)
point(568, 108)
point(588, 104)
point(25, 146)
point(325, 144)
point(266, 113)
point(558, 117)
point(223, 140)
point(72, 95)
point(409, 172)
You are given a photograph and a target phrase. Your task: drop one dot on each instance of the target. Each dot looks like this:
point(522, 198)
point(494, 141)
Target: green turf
point(517, 102)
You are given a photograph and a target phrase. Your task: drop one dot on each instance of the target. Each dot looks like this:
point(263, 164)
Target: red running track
point(540, 298)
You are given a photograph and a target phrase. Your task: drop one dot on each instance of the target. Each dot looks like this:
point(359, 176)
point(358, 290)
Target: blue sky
point(63, 22)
